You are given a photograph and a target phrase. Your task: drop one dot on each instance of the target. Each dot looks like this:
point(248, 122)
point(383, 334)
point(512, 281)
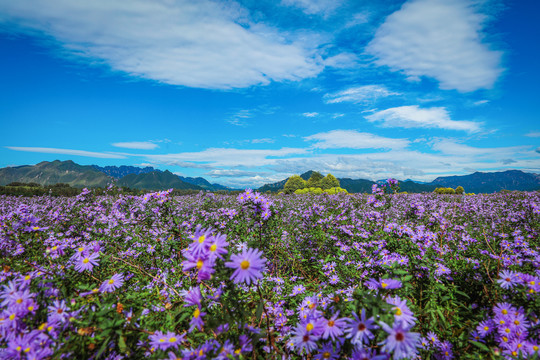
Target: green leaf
point(480, 345)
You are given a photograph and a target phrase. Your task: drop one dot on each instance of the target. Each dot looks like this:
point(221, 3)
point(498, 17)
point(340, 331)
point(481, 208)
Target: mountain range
point(148, 178)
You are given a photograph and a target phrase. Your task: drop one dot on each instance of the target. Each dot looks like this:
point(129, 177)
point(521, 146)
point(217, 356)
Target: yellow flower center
point(80, 249)
point(398, 312)
point(111, 281)
point(27, 350)
point(331, 323)
point(55, 247)
point(326, 355)
point(173, 339)
point(504, 311)
point(309, 327)
point(18, 348)
point(11, 317)
point(27, 277)
point(85, 261)
point(196, 313)
point(19, 301)
point(213, 248)
point(200, 264)
point(383, 285)
point(244, 264)
point(30, 308)
point(201, 239)
point(516, 322)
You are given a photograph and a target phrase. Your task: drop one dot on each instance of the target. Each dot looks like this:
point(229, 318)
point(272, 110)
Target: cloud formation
point(439, 39)
point(416, 117)
point(359, 94)
point(140, 145)
point(351, 139)
point(47, 150)
point(194, 44)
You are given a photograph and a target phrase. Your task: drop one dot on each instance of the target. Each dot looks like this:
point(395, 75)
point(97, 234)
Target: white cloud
point(47, 150)
point(342, 61)
point(359, 94)
point(202, 44)
point(352, 139)
point(416, 117)
point(534, 134)
point(310, 114)
point(263, 141)
point(228, 157)
point(230, 173)
point(141, 145)
point(311, 7)
point(439, 39)
point(452, 147)
point(240, 117)
point(481, 102)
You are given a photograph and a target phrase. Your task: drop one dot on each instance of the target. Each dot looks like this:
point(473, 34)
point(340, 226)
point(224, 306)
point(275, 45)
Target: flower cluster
point(256, 202)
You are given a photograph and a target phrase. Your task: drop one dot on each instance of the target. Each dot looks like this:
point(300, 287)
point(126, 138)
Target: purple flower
point(508, 279)
point(193, 296)
point(400, 341)
point(303, 340)
point(334, 327)
point(87, 262)
point(248, 266)
point(387, 284)
point(116, 281)
point(359, 329)
point(402, 313)
point(218, 246)
point(327, 352)
point(196, 321)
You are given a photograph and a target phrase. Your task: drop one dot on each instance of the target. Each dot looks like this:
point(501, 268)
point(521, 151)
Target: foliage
point(442, 190)
point(294, 183)
point(329, 181)
point(460, 190)
point(314, 180)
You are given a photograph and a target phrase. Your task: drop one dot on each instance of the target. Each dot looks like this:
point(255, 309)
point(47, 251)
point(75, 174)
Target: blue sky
point(249, 92)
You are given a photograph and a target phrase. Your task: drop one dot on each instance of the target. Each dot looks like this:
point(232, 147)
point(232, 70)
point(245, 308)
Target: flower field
point(380, 276)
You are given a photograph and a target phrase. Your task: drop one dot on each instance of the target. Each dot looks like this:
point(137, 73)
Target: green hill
point(156, 180)
point(48, 173)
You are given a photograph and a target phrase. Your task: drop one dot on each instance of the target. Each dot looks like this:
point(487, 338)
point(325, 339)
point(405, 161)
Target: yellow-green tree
point(329, 181)
point(294, 183)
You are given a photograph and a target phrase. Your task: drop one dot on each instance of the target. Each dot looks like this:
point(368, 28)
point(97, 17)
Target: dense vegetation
point(289, 276)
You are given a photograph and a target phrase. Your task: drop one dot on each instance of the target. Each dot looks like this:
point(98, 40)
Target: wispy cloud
point(230, 173)
point(195, 44)
point(533, 134)
point(453, 147)
point(240, 117)
point(359, 94)
point(47, 150)
point(311, 7)
point(140, 145)
point(440, 39)
point(352, 139)
point(416, 117)
point(310, 114)
point(263, 141)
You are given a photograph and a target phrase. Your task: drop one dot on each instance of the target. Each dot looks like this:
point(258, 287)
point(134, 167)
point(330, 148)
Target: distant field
point(286, 276)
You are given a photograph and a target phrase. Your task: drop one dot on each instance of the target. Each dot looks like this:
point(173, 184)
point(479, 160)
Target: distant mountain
point(277, 186)
point(476, 183)
point(480, 182)
point(49, 173)
point(156, 180)
point(118, 172)
point(203, 183)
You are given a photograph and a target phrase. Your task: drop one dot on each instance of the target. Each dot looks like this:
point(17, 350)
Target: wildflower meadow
point(255, 276)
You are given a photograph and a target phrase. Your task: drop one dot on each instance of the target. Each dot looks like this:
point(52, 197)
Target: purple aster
point(402, 313)
point(248, 266)
point(327, 352)
point(508, 279)
point(303, 340)
point(485, 327)
point(334, 279)
point(87, 262)
point(201, 242)
point(387, 284)
point(359, 328)
point(400, 341)
point(334, 327)
point(196, 321)
point(116, 281)
point(367, 354)
point(445, 351)
point(58, 312)
point(218, 246)
point(193, 296)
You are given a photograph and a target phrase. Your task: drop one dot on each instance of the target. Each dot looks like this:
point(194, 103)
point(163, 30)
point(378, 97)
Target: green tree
point(294, 183)
point(329, 181)
point(460, 190)
point(315, 179)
